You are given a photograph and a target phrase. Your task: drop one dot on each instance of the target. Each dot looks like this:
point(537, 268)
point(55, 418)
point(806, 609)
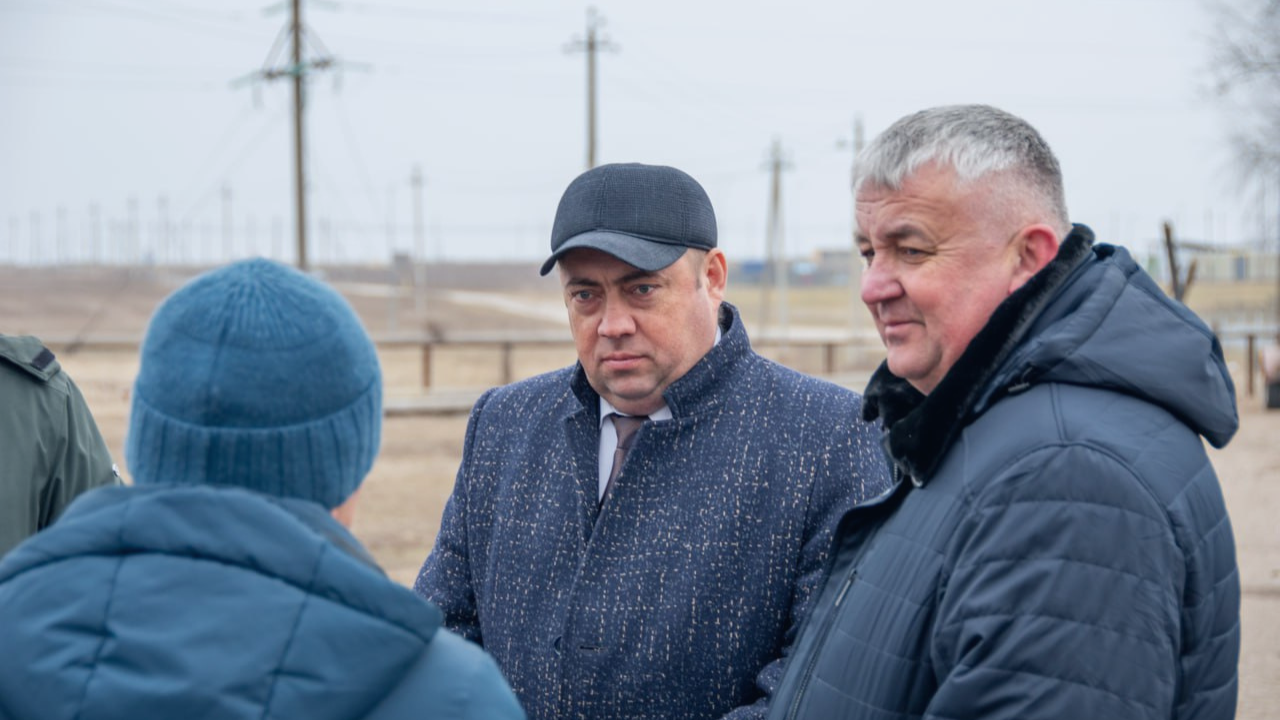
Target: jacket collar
point(919, 429)
point(699, 389)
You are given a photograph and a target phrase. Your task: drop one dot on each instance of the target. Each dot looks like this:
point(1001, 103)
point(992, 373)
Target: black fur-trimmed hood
point(1090, 317)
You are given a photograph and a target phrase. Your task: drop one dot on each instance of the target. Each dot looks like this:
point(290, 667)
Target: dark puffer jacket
point(1056, 545)
point(220, 603)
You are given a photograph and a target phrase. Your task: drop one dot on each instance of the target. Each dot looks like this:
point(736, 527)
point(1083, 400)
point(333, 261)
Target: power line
point(98, 67)
point(226, 28)
point(235, 163)
point(216, 152)
point(41, 77)
point(353, 148)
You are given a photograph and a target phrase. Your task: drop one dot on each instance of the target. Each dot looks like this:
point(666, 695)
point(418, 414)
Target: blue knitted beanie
point(258, 376)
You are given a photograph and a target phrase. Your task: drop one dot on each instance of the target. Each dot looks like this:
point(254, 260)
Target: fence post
point(507, 372)
point(426, 365)
point(1252, 353)
point(829, 358)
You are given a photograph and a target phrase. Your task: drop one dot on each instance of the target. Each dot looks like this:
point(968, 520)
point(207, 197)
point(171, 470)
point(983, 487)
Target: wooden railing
point(865, 348)
point(829, 349)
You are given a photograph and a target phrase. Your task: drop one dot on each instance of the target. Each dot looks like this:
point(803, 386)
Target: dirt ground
point(403, 498)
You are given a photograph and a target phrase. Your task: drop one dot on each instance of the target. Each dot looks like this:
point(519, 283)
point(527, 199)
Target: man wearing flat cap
point(640, 535)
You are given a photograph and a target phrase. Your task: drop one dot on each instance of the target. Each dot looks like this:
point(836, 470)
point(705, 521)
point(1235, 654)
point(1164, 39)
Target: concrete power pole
point(855, 258)
point(163, 242)
point(591, 44)
point(60, 254)
point(95, 234)
point(133, 250)
point(776, 278)
point(36, 240)
point(419, 244)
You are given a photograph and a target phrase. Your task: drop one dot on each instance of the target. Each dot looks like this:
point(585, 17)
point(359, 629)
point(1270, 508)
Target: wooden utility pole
point(591, 44)
point(299, 181)
point(297, 70)
point(776, 278)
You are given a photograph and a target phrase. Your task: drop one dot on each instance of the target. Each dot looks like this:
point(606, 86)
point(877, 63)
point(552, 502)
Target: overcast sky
point(104, 102)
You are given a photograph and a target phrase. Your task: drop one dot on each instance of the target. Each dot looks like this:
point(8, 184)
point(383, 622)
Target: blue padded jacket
point(189, 602)
point(1056, 544)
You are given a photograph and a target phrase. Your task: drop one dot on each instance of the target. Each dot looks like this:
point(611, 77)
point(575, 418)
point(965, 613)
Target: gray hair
point(975, 141)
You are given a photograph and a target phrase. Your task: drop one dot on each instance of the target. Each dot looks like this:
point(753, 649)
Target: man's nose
point(879, 283)
point(617, 320)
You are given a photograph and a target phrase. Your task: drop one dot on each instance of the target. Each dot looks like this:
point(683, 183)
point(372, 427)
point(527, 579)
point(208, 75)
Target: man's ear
point(1034, 246)
point(716, 273)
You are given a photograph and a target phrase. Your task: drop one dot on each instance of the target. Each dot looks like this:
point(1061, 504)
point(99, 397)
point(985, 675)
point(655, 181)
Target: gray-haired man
point(1055, 544)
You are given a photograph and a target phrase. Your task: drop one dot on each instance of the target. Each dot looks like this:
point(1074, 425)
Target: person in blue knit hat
point(224, 583)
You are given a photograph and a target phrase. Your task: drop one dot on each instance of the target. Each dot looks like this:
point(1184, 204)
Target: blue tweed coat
point(681, 597)
point(1058, 545)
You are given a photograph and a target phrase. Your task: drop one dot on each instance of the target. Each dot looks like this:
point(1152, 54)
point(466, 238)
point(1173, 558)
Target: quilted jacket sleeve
point(454, 680)
point(446, 577)
point(1063, 597)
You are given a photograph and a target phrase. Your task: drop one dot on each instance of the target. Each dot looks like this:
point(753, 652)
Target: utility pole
point(391, 220)
point(855, 257)
point(299, 177)
point(135, 232)
point(15, 229)
point(36, 240)
point(164, 244)
point(591, 45)
point(776, 269)
point(296, 70)
point(419, 244)
point(95, 234)
point(60, 236)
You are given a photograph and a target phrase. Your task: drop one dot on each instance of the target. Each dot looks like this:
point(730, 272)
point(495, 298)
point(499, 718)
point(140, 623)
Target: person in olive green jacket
point(50, 447)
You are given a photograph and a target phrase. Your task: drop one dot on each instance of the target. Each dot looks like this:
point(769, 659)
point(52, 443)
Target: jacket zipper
point(822, 641)
point(898, 478)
